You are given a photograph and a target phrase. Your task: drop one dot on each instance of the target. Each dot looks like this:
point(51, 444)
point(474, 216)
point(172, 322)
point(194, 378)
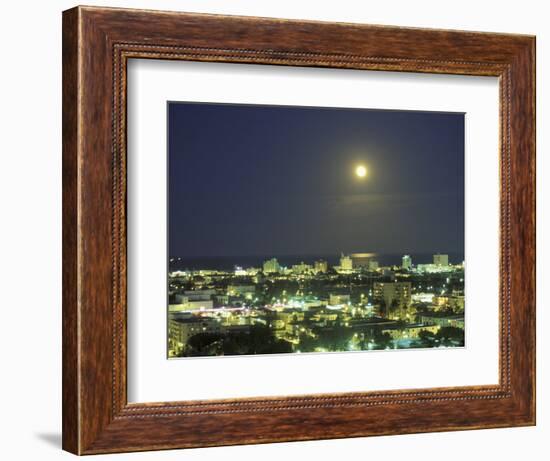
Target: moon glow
point(361, 171)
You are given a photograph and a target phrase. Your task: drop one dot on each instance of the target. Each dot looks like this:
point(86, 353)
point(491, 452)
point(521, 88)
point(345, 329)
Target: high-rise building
point(394, 298)
point(406, 262)
point(181, 329)
point(372, 265)
point(320, 266)
point(441, 260)
point(271, 265)
point(301, 268)
point(346, 263)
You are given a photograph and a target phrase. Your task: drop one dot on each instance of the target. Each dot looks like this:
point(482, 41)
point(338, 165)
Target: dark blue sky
point(247, 180)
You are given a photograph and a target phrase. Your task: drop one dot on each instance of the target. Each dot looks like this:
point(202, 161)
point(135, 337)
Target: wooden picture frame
point(97, 43)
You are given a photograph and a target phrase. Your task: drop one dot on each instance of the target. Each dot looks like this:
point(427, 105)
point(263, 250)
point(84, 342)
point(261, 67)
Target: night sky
point(249, 180)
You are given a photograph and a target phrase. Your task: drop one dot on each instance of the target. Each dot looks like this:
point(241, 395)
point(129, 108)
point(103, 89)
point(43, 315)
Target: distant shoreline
point(230, 262)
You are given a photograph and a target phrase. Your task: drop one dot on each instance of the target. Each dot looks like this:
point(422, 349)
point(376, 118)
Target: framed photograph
point(282, 230)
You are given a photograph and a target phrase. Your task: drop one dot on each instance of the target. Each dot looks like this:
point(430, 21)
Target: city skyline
point(352, 260)
point(306, 229)
point(313, 306)
point(232, 261)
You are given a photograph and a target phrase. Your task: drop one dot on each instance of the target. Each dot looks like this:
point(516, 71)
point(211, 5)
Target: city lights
point(353, 303)
point(299, 229)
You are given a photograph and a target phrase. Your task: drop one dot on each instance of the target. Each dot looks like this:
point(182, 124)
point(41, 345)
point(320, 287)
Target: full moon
point(361, 171)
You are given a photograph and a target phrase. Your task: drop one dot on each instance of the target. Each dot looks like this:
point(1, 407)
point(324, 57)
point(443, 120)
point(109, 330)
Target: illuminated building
point(192, 300)
point(196, 295)
point(423, 297)
point(372, 265)
point(406, 262)
point(323, 317)
point(441, 260)
point(432, 268)
point(411, 331)
point(181, 329)
point(337, 299)
point(456, 321)
point(320, 266)
point(271, 266)
point(185, 305)
point(394, 298)
point(346, 263)
point(453, 302)
point(221, 299)
point(246, 291)
point(291, 316)
point(301, 268)
point(303, 302)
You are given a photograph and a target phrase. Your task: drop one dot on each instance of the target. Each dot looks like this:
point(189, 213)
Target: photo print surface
point(313, 230)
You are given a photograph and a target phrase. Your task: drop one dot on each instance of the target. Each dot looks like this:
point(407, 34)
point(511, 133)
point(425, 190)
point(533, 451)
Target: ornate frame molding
point(97, 43)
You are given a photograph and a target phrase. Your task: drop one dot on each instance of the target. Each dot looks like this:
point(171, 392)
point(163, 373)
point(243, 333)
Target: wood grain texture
point(97, 43)
point(70, 383)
